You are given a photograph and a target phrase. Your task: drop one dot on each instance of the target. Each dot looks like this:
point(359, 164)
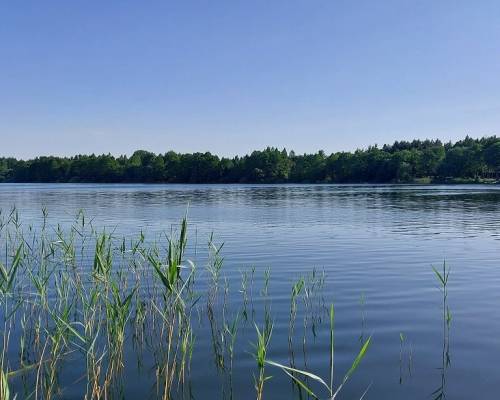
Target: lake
point(376, 245)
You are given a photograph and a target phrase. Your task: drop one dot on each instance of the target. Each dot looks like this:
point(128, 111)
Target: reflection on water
point(419, 210)
point(376, 244)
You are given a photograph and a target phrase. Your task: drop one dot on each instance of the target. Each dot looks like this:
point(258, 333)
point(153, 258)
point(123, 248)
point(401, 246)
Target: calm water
point(376, 245)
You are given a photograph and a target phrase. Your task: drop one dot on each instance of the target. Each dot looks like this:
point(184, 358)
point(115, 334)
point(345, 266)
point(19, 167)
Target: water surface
point(376, 244)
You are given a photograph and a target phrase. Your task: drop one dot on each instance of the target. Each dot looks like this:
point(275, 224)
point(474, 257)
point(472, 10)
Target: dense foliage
point(468, 159)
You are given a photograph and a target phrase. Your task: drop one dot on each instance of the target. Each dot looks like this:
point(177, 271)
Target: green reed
point(333, 392)
point(296, 291)
point(81, 296)
point(443, 281)
point(260, 354)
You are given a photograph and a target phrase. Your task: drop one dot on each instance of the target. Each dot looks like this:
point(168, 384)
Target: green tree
point(492, 156)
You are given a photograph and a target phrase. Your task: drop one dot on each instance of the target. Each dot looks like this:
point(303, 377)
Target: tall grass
point(298, 375)
point(80, 304)
point(260, 354)
point(443, 281)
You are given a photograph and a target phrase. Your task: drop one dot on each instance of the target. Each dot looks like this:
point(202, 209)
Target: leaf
point(71, 329)
point(160, 273)
point(301, 384)
point(354, 365)
point(439, 276)
point(305, 373)
point(15, 265)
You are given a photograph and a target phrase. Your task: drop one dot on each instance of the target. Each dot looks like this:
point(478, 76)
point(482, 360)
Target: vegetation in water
point(83, 311)
point(298, 375)
point(78, 306)
point(443, 280)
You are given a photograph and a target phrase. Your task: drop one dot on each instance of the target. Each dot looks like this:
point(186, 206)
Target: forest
point(425, 161)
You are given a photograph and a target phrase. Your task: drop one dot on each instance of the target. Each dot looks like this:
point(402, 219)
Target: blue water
point(376, 245)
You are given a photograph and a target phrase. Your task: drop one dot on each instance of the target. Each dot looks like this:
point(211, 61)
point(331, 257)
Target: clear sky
point(233, 76)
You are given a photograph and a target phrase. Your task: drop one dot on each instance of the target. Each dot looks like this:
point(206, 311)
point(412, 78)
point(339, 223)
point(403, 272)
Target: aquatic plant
point(86, 297)
point(260, 354)
point(7, 275)
point(443, 280)
point(293, 373)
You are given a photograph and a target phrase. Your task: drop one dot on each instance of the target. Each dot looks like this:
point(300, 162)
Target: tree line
point(403, 161)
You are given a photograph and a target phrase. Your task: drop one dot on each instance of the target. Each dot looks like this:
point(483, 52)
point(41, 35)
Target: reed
point(260, 354)
point(85, 298)
point(443, 281)
point(333, 392)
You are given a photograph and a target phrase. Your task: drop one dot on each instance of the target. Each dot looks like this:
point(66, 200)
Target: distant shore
point(419, 161)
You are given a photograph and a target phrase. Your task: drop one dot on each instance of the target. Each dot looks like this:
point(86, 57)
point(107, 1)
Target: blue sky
point(233, 76)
